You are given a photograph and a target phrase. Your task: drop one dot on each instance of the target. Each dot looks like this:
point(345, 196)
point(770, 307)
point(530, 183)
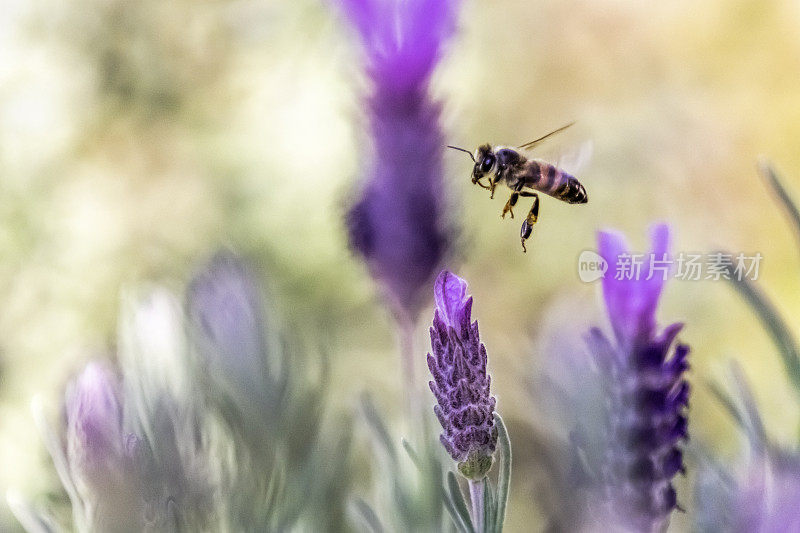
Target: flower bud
point(460, 382)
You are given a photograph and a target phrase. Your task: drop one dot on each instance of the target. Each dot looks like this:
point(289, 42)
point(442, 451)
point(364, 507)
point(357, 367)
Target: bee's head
point(484, 158)
point(485, 161)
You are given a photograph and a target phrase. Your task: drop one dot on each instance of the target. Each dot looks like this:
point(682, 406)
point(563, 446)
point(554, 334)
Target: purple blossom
point(95, 439)
point(224, 304)
point(102, 458)
point(647, 393)
point(761, 492)
point(768, 499)
point(122, 482)
point(398, 225)
point(460, 382)
point(631, 303)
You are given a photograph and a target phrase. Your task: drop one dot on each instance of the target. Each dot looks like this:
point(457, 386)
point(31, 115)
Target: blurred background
point(136, 138)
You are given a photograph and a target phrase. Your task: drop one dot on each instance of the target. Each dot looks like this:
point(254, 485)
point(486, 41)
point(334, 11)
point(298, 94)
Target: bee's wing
point(576, 158)
point(530, 144)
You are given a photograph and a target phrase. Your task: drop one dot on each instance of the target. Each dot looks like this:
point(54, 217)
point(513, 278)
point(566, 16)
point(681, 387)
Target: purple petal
point(631, 303)
point(450, 293)
point(398, 224)
point(94, 420)
point(611, 245)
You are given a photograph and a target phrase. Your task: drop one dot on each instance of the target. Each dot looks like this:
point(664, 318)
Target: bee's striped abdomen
point(570, 190)
point(556, 183)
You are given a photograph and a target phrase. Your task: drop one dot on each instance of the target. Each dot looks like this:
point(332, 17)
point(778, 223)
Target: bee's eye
point(487, 163)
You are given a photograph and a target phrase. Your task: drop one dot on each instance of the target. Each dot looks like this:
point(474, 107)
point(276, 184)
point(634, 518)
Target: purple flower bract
point(647, 392)
point(94, 419)
point(397, 225)
point(460, 382)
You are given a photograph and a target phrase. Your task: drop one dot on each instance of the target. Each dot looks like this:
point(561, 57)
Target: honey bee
point(524, 176)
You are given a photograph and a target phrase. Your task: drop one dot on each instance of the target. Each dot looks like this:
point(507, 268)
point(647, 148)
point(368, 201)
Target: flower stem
point(405, 334)
point(476, 497)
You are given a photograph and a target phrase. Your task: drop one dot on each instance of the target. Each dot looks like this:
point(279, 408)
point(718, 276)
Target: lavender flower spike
point(398, 225)
point(460, 382)
point(647, 392)
point(94, 422)
point(101, 455)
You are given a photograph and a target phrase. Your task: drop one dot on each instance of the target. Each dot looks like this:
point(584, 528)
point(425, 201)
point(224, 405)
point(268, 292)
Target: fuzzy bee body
point(525, 177)
point(548, 179)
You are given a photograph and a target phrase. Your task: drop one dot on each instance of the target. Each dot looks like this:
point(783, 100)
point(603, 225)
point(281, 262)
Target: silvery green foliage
point(416, 492)
point(179, 471)
point(488, 501)
point(472, 434)
point(197, 432)
point(761, 492)
point(133, 453)
point(408, 493)
point(290, 471)
point(414, 498)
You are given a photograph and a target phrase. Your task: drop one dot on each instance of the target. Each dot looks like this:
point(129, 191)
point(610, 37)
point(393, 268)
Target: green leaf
point(461, 517)
point(30, 519)
point(746, 416)
point(379, 429)
point(53, 444)
point(729, 404)
point(749, 403)
point(504, 475)
point(776, 327)
point(445, 497)
point(412, 454)
point(368, 515)
point(775, 183)
point(274, 489)
point(489, 506)
point(457, 522)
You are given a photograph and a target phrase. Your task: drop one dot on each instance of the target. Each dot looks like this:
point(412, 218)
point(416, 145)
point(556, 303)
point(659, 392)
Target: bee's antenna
point(463, 150)
point(543, 137)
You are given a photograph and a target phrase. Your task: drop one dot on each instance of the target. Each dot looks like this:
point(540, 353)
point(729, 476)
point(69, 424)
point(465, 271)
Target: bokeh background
point(138, 137)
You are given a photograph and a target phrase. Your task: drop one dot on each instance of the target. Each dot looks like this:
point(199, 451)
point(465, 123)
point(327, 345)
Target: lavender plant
point(274, 410)
point(472, 434)
point(96, 463)
point(465, 407)
point(625, 449)
point(646, 391)
point(398, 224)
point(101, 459)
point(132, 456)
point(763, 493)
point(408, 495)
point(201, 432)
point(461, 385)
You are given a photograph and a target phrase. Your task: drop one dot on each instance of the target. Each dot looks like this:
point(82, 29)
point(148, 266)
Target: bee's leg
point(530, 220)
point(499, 175)
point(512, 201)
point(479, 182)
